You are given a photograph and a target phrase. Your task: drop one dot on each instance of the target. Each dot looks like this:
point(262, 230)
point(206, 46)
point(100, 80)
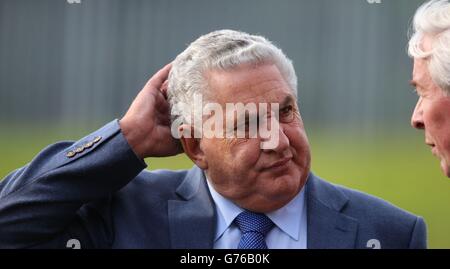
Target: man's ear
point(191, 146)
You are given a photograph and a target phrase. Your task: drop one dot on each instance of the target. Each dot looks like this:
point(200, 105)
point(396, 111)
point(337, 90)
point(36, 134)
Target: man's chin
point(445, 168)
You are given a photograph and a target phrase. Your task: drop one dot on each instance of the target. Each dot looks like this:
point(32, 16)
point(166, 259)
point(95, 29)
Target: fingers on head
point(158, 79)
point(164, 88)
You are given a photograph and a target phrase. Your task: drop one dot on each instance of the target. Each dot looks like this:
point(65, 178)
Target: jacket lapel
point(192, 219)
point(328, 227)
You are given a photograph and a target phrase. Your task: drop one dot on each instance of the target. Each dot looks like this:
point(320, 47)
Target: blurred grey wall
point(62, 63)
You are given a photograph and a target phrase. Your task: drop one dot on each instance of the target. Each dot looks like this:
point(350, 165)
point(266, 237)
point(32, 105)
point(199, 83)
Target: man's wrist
point(133, 137)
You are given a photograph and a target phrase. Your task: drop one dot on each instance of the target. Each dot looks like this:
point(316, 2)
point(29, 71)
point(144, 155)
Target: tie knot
point(248, 221)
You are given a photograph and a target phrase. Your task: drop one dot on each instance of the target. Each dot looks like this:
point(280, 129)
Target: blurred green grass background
point(395, 166)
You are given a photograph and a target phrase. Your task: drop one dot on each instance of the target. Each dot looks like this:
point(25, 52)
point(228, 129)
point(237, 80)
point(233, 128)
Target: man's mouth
point(431, 144)
point(281, 163)
point(433, 148)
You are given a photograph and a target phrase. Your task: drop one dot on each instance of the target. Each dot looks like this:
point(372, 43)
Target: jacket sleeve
point(419, 235)
point(48, 202)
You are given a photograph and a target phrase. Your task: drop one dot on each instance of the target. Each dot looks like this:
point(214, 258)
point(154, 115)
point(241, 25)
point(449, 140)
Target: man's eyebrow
point(413, 83)
point(288, 99)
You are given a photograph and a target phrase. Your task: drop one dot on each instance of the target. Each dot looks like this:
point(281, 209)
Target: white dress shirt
point(290, 229)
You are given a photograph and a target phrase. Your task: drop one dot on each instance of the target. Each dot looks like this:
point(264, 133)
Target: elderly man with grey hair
point(245, 190)
point(430, 48)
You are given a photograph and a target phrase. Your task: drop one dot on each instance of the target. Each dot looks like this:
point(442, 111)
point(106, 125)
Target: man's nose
point(283, 141)
point(417, 116)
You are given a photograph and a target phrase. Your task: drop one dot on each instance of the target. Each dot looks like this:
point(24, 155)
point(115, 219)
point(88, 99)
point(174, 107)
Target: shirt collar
point(227, 211)
point(286, 218)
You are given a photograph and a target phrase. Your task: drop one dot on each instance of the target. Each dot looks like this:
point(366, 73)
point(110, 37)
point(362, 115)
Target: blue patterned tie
point(254, 227)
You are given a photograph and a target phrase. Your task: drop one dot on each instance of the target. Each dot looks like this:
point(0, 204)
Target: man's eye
point(286, 110)
point(287, 113)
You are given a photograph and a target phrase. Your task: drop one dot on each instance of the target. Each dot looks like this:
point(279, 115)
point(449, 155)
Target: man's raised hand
point(146, 125)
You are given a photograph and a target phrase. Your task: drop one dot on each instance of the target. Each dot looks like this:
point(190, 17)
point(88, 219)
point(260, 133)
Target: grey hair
point(432, 20)
point(219, 50)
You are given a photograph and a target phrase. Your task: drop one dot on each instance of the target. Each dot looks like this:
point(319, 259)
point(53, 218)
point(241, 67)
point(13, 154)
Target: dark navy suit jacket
point(95, 193)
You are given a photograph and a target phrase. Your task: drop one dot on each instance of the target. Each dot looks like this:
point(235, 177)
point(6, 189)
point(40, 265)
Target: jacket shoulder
point(376, 218)
point(372, 207)
point(362, 206)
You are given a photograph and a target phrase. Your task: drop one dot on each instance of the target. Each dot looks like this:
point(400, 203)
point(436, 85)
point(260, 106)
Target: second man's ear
point(192, 146)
